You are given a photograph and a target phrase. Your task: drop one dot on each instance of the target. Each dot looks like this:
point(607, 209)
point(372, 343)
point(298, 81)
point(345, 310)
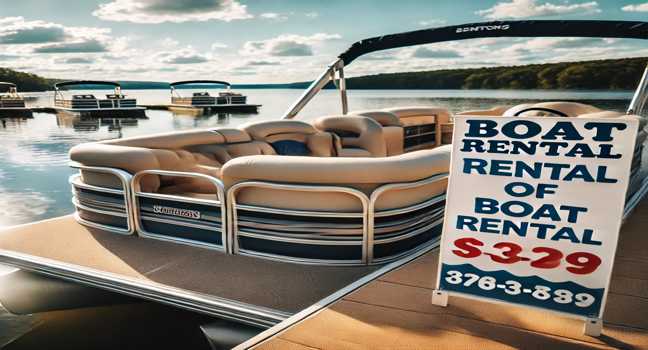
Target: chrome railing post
point(317, 85)
point(342, 87)
point(638, 102)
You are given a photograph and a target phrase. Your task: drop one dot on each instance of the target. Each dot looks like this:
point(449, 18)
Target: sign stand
point(439, 298)
point(593, 327)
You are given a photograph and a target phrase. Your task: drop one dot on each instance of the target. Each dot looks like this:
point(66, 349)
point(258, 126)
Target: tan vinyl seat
point(495, 111)
point(358, 136)
point(569, 109)
point(415, 115)
point(292, 137)
point(364, 174)
point(392, 129)
point(196, 151)
point(419, 115)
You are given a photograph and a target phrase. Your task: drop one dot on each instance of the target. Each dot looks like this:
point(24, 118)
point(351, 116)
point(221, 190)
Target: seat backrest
point(415, 115)
point(392, 129)
point(358, 136)
point(495, 111)
point(292, 137)
point(364, 174)
point(568, 109)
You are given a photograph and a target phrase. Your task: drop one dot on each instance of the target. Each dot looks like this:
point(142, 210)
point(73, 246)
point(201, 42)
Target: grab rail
point(233, 221)
point(125, 179)
point(220, 202)
point(375, 195)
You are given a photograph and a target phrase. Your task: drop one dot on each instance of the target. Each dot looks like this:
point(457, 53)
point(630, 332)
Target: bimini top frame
point(197, 82)
point(552, 28)
point(9, 88)
point(58, 86)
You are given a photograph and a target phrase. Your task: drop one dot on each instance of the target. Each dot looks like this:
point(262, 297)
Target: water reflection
point(34, 152)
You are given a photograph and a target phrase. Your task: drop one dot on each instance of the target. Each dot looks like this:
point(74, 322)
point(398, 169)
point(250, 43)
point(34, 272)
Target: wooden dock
point(394, 312)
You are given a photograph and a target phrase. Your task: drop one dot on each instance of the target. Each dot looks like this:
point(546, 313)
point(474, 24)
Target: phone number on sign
point(579, 263)
point(560, 296)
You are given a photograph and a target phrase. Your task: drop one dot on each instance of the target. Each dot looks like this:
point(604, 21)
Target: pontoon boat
point(115, 105)
point(258, 222)
point(11, 103)
point(203, 103)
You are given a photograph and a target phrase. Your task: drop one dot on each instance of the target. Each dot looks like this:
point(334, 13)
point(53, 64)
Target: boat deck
point(395, 312)
point(246, 289)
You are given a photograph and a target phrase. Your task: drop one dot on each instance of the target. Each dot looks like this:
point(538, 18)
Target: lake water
point(34, 152)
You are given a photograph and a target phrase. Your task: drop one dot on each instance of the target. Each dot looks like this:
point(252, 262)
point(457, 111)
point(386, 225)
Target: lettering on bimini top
point(185, 213)
point(483, 28)
point(534, 207)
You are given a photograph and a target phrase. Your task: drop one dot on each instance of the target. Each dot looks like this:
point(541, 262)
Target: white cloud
point(432, 22)
point(274, 16)
point(159, 11)
point(187, 55)
point(218, 45)
point(45, 37)
point(312, 14)
point(531, 8)
point(287, 45)
point(424, 52)
point(636, 8)
point(15, 30)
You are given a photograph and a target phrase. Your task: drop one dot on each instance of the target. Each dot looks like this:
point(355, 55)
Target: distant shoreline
point(596, 75)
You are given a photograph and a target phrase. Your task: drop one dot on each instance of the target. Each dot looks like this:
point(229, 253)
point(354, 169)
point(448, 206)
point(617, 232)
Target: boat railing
point(208, 100)
point(103, 207)
point(385, 235)
point(180, 218)
point(95, 103)
point(9, 101)
point(404, 229)
point(311, 236)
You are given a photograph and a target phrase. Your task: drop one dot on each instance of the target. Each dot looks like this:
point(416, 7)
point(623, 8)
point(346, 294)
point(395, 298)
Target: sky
point(280, 41)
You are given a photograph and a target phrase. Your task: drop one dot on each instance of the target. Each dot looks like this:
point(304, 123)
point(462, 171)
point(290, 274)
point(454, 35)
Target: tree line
point(613, 74)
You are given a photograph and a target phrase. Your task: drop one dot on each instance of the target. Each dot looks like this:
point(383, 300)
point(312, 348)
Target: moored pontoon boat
point(203, 103)
point(290, 211)
point(115, 105)
point(11, 103)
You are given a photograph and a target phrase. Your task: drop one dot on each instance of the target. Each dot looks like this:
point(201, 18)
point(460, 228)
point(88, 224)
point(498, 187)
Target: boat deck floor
point(395, 312)
point(61, 244)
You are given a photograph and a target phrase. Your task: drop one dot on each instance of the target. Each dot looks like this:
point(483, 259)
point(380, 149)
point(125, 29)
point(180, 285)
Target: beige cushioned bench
point(364, 174)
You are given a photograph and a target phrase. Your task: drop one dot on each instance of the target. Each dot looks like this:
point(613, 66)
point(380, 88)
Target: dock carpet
point(395, 312)
point(281, 286)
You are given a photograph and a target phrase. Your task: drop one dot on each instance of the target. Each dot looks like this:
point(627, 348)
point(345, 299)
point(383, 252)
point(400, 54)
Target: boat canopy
point(85, 82)
point(190, 82)
point(542, 28)
point(7, 87)
point(494, 29)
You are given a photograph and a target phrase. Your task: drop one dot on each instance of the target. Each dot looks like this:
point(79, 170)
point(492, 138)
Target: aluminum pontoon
point(203, 103)
point(258, 222)
point(115, 105)
point(12, 105)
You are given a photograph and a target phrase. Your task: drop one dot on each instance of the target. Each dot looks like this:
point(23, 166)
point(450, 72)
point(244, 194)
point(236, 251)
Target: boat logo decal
point(483, 28)
point(185, 213)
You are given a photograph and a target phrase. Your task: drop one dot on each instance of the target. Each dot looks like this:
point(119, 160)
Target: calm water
point(33, 152)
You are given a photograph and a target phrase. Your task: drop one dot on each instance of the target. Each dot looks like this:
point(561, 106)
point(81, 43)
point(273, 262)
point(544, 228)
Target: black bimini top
point(189, 82)
point(85, 82)
point(592, 29)
point(6, 86)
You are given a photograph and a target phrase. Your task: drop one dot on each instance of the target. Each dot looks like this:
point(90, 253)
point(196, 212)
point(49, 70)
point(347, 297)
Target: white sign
point(534, 209)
